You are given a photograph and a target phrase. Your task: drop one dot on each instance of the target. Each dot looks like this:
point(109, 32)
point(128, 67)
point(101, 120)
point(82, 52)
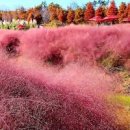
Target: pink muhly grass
point(76, 44)
point(28, 101)
point(54, 81)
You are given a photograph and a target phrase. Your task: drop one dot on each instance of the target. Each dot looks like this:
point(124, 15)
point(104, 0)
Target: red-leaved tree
point(127, 11)
point(121, 12)
point(70, 16)
point(89, 12)
point(100, 12)
point(79, 16)
point(61, 14)
point(112, 10)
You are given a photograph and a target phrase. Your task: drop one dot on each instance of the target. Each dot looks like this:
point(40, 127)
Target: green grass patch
point(122, 99)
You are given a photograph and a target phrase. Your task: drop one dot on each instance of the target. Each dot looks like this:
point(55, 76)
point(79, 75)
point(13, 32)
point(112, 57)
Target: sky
point(13, 4)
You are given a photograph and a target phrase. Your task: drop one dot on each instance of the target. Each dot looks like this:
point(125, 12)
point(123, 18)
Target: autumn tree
point(34, 13)
point(9, 16)
point(121, 12)
point(100, 12)
point(0, 16)
point(89, 12)
point(30, 14)
point(22, 13)
point(79, 16)
point(39, 7)
point(30, 17)
point(127, 11)
point(70, 16)
point(112, 10)
point(53, 11)
point(61, 14)
point(14, 15)
point(37, 15)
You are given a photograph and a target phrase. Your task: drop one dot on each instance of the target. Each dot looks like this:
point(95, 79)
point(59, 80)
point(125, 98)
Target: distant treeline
point(44, 13)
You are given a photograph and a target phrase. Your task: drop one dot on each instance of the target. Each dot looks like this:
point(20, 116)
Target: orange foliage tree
point(30, 14)
point(79, 16)
point(30, 17)
point(112, 10)
point(14, 14)
point(127, 11)
point(53, 11)
point(61, 14)
point(37, 15)
point(0, 16)
point(89, 12)
point(22, 13)
point(70, 16)
point(122, 11)
point(100, 12)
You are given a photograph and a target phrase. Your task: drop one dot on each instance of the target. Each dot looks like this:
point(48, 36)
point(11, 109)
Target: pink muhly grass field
point(53, 80)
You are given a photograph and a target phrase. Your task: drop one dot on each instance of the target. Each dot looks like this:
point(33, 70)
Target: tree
point(9, 16)
point(127, 11)
point(53, 11)
point(22, 13)
point(30, 17)
point(39, 7)
point(61, 14)
point(70, 16)
point(89, 12)
point(37, 16)
point(30, 14)
point(14, 15)
point(79, 16)
point(112, 10)
point(0, 16)
point(122, 13)
point(104, 10)
point(100, 12)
